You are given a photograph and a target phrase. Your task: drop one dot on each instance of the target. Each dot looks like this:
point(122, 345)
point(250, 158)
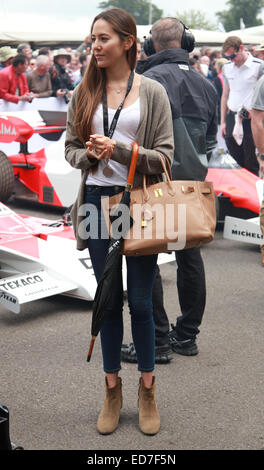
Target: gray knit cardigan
point(154, 137)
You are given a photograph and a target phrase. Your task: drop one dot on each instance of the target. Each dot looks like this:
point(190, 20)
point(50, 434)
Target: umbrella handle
point(133, 164)
point(91, 348)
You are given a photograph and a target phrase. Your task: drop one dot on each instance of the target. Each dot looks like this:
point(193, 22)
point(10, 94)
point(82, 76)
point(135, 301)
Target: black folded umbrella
point(113, 258)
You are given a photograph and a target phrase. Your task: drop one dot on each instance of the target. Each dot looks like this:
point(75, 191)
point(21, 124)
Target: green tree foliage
point(195, 19)
point(137, 8)
point(248, 10)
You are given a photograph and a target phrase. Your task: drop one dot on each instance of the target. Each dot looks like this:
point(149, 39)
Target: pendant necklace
point(107, 171)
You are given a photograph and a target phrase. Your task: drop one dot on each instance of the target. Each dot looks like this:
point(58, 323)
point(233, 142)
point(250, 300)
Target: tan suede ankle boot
point(149, 419)
point(109, 416)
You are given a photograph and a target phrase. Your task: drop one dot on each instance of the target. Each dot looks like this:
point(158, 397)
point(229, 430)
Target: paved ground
point(211, 401)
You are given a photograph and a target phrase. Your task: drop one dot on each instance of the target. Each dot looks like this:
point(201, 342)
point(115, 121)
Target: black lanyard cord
point(109, 132)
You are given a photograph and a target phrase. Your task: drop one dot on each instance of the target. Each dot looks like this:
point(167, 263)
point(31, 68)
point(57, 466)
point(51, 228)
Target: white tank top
point(125, 132)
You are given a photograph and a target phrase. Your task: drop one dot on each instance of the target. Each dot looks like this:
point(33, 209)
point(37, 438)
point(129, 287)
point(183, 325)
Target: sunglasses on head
point(231, 57)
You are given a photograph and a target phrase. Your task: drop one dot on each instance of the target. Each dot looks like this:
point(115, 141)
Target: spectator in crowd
point(206, 50)
point(31, 65)
point(25, 49)
point(85, 47)
point(84, 61)
point(204, 67)
point(74, 69)
point(6, 56)
point(39, 82)
point(251, 49)
point(259, 51)
point(46, 51)
point(212, 66)
point(13, 82)
point(195, 63)
point(62, 85)
point(139, 49)
point(240, 76)
point(257, 124)
point(218, 83)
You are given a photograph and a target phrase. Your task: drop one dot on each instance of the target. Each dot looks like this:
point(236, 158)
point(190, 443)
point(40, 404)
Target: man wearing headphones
point(193, 102)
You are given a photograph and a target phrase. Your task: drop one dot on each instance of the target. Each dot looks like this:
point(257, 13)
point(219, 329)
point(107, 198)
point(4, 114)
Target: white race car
point(38, 258)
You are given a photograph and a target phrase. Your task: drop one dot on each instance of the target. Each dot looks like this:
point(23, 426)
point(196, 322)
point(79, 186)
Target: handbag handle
point(171, 191)
point(133, 164)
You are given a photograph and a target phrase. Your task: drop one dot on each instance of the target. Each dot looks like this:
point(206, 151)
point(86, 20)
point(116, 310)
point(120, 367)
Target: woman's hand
point(101, 146)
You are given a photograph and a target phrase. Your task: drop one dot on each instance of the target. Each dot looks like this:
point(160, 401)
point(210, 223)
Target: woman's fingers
point(105, 154)
point(100, 151)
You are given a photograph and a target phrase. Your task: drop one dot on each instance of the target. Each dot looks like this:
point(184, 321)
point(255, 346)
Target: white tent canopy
point(254, 31)
point(216, 38)
point(202, 37)
point(44, 30)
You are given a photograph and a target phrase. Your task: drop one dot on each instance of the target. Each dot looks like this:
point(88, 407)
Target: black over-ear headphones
point(187, 42)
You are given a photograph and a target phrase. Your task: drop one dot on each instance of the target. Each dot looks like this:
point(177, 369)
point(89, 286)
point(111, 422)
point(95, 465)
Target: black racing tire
point(7, 178)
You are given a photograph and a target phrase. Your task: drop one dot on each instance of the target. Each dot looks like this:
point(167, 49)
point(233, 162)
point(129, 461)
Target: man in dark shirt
point(193, 102)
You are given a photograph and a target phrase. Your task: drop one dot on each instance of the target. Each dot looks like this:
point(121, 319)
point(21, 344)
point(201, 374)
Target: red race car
point(41, 175)
point(44, 175)
point(239, 196)
point(238, 191)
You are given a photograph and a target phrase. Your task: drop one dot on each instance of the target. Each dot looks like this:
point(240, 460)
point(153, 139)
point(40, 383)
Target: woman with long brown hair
point(112, 107)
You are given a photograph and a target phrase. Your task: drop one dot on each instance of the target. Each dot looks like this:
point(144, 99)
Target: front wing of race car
point(38, 258)
point(246, 230)
point(26, 286)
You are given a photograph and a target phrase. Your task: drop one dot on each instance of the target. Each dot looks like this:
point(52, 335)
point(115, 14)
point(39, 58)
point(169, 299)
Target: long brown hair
point(91, 87)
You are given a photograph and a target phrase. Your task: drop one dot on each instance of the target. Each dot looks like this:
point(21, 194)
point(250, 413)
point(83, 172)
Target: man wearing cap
point(259, 51)
point(257, 124)
point(240, 76)
point(13, 82)
point(60, 80)
point(6, 56)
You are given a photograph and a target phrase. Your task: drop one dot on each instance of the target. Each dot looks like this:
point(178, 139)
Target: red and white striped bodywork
point(38, 258)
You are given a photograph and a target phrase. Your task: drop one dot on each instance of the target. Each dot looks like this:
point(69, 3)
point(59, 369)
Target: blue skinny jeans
point(140, 278)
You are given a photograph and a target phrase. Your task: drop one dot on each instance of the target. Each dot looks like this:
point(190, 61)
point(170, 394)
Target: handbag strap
point(171, 191)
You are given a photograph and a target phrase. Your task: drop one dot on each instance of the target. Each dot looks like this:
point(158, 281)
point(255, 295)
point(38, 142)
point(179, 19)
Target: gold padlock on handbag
point(158, 192)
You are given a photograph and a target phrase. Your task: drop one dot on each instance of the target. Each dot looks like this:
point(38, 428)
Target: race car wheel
point(7, 178)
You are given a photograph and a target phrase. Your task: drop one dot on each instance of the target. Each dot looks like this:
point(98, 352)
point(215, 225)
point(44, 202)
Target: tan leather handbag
point(167, 216)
